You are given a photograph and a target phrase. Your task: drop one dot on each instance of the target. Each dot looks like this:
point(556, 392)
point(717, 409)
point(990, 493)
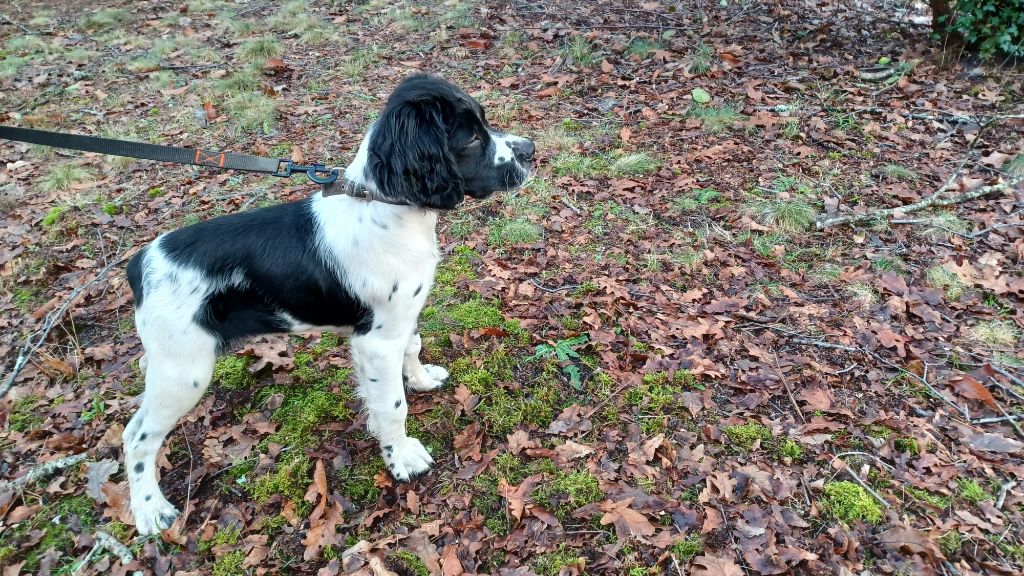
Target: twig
point(1009, 376)
point(551, 290)
point(1006, 487)
point(789, 390)
point(933, 200)
point(7, 19)
point(863, 484)
point(114, 546)
point(36, 340)
point(821, 344)
point(1012, 421)
point(43, 470)
point(866, 455)
point(571, 206)
point(996, 419)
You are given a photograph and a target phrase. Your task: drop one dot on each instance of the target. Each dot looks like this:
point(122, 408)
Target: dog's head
point(432, 145)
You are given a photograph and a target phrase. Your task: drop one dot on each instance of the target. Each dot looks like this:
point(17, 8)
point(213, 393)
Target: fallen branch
point(820, 344)
point(789, 389)
point(996, 419)
point(43, 470)
point(36, 340)
point(114, 546)
point(933, 200)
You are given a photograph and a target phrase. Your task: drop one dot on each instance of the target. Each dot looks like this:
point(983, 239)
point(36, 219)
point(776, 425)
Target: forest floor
point(660, 364)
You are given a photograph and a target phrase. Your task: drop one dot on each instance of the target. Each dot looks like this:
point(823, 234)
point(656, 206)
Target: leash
point(280, 167)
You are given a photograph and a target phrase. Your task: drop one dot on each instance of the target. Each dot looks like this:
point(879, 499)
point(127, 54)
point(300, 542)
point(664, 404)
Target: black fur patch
point(139, 467)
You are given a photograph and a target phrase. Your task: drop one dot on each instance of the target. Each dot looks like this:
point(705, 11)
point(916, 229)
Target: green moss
point(475, 314)
point(971, 491)
point(408, 563)
point(951, 543)
point(791, 449)
point(304, 409)
point(155, 192)
point(111, 209)
point(551, 563)
point(685, 551)
point(227, 535)
point(232, 372)
point(290, 479)
point(907, 446)
point(230, 564)
point(357, 481)
point(744, 435)
point(24, 416)
point(848, 502)
point(880, 432)
point(657, 392)
point(565, 493)
point(53, 216)
point(576, 164)
point(936, 500)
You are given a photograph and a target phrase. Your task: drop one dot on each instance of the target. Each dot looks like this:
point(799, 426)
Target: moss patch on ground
point(743, 436)
point(563, 493)
point(849, 502)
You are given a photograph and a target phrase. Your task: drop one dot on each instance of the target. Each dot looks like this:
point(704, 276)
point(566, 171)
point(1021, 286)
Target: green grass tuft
point(716, 120)
point(24, 416)
point(791, 449)
point(253, 111)
point(64, 176)
point(105, 18)
point(408, 563)
point(848, 502)
point(897, 172)
point(576, 164)
point(230, 564)
point(580, 52)
point(636, 164)
point(786, 216)
point(511, 232)
point(551, 563)
point(700, 61)
point(12, 66)
point(995, 333)
point(971, 491)
point(685, 550)
point(53, 215)
point(259, 50)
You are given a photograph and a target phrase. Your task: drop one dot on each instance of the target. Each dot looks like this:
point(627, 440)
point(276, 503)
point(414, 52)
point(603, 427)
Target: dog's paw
point(430, 378)
point(153, 516)
point(406, 459)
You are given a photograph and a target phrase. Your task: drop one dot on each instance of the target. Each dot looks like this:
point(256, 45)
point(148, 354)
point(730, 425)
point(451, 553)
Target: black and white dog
point(359, 263)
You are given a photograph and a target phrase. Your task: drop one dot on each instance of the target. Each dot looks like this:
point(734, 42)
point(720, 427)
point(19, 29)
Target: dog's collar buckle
point(357, 190)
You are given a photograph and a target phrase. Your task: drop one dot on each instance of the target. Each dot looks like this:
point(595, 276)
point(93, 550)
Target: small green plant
point(744, 435)
point(786, 216)
point(64, 176)
point(995, 333)
point(791, 449)
point(936, 500)
point(565, 493)
point(245, 80)
point(12, 66)
point(409, 563)
point(848, 502)
point(230, 564)
point(971, 491)
point(993, 27)
point(111, 209)
point(579, 165)
point(951, 543)
point(700, 61)
point(53, 216)
point(939, 277)
point(511, 232)
point(636, 164)
point(23, 416)
point(716, 120)
point(580, 51)
point(897, 172)
point(687, 549)
point(564, 351)
point(694, 199)
point(96, 408)
point(289, 479)
point(232, 372)
point(907, 446)
point(260, 49)
point(551, 563)
point(863, 294)
point(642, 47)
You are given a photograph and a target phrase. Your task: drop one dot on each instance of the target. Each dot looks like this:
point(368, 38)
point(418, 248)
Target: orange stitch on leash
point(222, 160)
point(197, 156)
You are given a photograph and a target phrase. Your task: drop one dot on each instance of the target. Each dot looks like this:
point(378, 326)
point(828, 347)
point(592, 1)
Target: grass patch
point(971, 491)
point(511, 232)
point(23, 416)
point(642, 47)
point(579, 165)
point(105, 18)
point(685, 550)
point(907, 446)
point(290, 478)
point(901, 173)
point(357, 481)
point(951, 543)
point(230, 564)
point(863, 294)
point(64, 176)
point(942, 226)
point(408, 563)
point(938, 277)
point(356, 65)
point(716, 120)
point(995, 333)
point(580, 52)
point(253, 111)
point(12, 66)
point(305, 408)
point(700, 61)
point(936, 500)
point(245, 80)
point(232, 372)
point(259, 49)
point(24, 45)
point(848, 502)
point(635, 164)
point(694, 199)
point(787, 216)
point(551, 563)
point(564, 493)
point(745, 435)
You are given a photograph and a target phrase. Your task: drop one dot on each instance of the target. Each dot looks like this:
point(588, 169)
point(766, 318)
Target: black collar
point(358, 191)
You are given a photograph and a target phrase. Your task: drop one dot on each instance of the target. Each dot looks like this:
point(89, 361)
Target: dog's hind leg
point(420, 377)
point(379, 366)
point(175, 382)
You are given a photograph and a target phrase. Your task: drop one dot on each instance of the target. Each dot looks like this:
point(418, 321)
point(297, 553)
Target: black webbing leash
point(281, 167)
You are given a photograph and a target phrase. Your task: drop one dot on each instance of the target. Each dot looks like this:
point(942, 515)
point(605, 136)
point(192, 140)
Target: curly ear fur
point(409, 156)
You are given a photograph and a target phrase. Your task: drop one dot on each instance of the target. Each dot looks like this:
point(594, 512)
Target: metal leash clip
point(287, 168)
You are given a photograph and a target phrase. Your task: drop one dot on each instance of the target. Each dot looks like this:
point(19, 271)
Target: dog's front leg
point(420, 377)
point(378, 362)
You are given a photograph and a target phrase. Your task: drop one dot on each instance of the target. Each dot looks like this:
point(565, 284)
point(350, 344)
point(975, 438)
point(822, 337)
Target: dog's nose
point(523, 149)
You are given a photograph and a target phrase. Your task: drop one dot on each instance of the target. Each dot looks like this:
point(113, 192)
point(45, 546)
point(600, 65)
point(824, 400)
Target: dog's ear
point(409, 156)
